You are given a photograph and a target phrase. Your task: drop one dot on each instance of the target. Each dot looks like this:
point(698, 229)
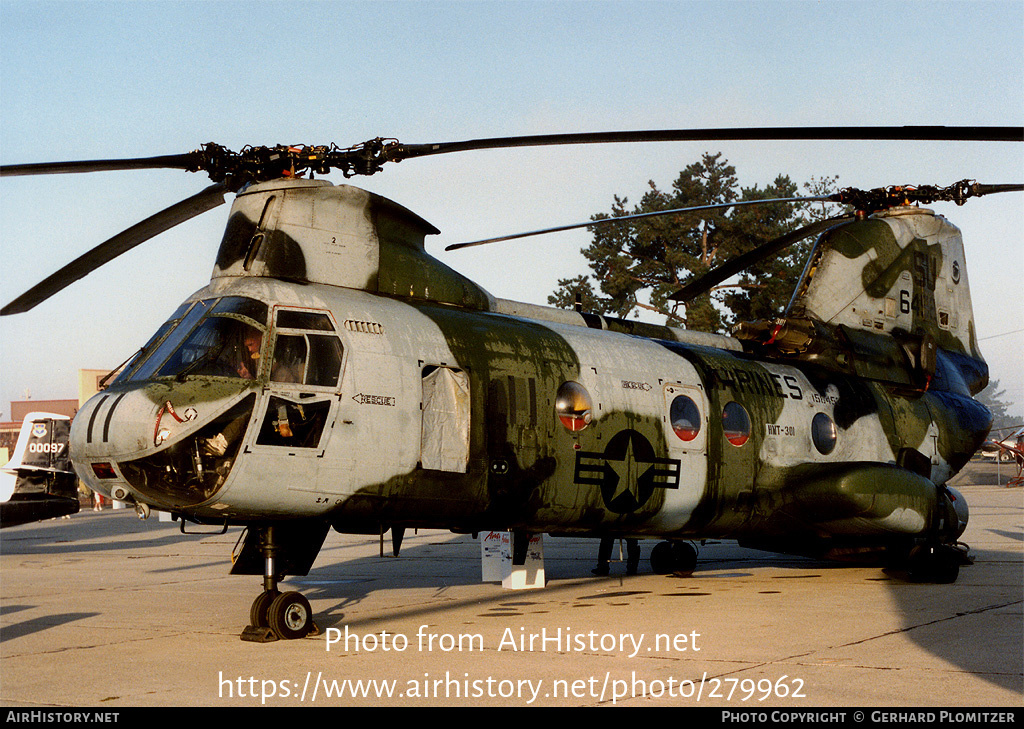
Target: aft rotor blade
point(979, 189)
point(637, 216)
point(170, 161)
point(399, 151)
point(123, 242)
point(712, 278)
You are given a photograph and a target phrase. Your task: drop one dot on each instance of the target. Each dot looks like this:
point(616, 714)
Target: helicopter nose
point(128, 424)
point(124, 442)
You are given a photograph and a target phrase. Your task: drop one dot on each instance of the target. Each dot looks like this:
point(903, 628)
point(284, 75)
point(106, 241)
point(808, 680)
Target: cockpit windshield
point(220, 346)
point(213, 337)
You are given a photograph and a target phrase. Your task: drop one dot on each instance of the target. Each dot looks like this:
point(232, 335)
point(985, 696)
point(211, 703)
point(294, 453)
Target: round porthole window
point(736, 423)
point(685, 417)
point(823, 433)
point(573, 406)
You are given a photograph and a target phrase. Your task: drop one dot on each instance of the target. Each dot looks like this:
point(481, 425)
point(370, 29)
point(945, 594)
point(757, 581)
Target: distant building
point(21, 408)
point(88, 385)
point(89, 382)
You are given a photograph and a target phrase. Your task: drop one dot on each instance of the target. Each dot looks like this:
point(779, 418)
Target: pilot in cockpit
point(248, 365)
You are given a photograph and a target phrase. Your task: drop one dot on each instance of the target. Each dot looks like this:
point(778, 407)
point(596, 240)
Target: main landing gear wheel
point(673, 558)
point(276, 615)
point(290, 616)
point(936, 564)
point(259, 613)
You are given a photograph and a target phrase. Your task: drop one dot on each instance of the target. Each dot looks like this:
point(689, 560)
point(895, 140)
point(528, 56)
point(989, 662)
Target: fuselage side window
point(574, 406)
point(685, 418)
point(736, 424)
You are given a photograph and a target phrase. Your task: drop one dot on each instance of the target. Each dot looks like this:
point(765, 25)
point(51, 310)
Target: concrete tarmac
point(106, 611)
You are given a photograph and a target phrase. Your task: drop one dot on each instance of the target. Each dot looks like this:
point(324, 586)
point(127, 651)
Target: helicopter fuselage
point(424, 415)
point(335, 375)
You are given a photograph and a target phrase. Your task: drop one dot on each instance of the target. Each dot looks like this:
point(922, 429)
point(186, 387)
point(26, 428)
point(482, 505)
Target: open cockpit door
point(301, 397)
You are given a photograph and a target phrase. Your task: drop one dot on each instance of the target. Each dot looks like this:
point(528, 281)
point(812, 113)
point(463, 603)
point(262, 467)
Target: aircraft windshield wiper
point(211, 354)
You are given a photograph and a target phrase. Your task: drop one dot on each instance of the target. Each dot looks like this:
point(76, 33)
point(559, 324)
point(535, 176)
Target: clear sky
point(86, 80)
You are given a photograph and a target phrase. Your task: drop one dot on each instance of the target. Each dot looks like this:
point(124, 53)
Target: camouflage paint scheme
point(878, 349)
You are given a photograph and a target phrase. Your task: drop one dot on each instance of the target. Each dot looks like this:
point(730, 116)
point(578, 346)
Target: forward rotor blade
point(637, 216)
point(123, 242)
point(255, 164)
point(712, 278)
point(170, 161)
point(400, 151)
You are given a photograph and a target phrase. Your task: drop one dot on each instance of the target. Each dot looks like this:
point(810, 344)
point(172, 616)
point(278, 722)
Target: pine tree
point(992, 397)
point(640, 264)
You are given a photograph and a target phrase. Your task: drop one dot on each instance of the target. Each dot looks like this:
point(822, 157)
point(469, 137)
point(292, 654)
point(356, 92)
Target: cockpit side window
point(311, 320)
point(289, 359)
point(324, 360)
point(302, 354)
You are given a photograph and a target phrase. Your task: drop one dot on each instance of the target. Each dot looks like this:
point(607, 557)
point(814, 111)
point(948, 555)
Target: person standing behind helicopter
point(604, 554)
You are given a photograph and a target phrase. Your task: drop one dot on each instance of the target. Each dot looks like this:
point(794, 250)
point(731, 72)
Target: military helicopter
point(333, 374)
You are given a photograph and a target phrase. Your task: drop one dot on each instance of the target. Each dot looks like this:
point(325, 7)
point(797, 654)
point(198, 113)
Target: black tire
point(934, 565)
point(685, 557)
point(290, 616)
point(259, 613)
point(661, 558)
point(673, 557)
